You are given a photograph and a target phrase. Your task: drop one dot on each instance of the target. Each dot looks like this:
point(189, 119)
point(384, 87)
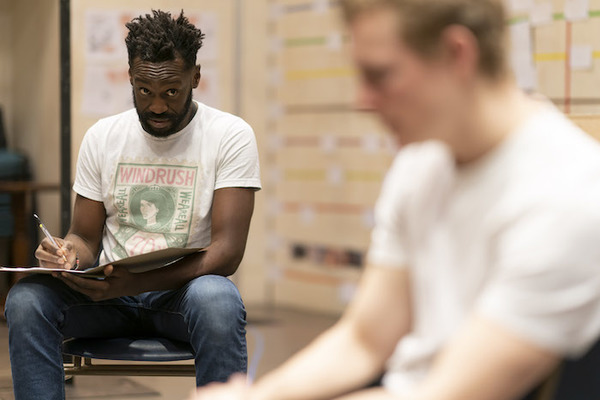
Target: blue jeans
point(42, 311)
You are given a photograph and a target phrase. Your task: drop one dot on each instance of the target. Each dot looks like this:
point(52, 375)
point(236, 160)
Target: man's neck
point(496, 112)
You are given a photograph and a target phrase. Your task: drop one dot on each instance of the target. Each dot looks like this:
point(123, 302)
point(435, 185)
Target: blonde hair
point(423, 22)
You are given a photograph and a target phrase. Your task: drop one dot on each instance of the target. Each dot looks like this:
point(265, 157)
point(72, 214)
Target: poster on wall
point(107, 90)
point(106, 87)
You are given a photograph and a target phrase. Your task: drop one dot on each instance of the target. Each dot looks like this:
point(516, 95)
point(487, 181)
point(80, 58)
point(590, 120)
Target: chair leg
point(84, 366)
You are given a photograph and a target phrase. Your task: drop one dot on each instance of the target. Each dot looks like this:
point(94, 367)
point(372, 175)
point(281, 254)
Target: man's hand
point(51, 257)
point(235, 389)
point(118, 282)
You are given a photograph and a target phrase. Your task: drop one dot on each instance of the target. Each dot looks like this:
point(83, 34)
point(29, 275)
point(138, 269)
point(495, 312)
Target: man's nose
point(158, 105)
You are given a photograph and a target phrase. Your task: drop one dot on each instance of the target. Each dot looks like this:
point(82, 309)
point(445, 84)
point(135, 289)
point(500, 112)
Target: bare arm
point(231, 215)
point(353, 352)
point(484, 362)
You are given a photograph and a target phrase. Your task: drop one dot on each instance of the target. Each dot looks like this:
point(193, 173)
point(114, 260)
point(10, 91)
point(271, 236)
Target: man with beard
point(204, 165)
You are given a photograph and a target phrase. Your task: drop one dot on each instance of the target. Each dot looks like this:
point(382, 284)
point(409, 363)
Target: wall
point(325, 160)
point(6, 63)
point(34, 120)
point(252, 274)
point(556, 45)
point(322, 162)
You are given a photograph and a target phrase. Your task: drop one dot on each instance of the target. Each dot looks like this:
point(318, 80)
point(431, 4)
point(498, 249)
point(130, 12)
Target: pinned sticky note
point(582, 57)
point(275, 44)
point(274, 207)
point(335, 175)
point(274, 241)
point(577, 10)
point(370, 143)
point(276, 110)
point(522, 55)
point(276, 11)
point(334, 41)
point(329, 143)
point(307, 215)
point(541, 14)
point(275, 141)
point(275, 175)
point(368, 218)
point(520, 6)
point(320, 6)
point(275, 273)
point(275, 77)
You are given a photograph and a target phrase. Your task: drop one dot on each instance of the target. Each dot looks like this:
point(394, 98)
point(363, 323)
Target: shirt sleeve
point(413, 192)
point(238, 162)
point(546, 284)
point(388, 238)
point(88, 177)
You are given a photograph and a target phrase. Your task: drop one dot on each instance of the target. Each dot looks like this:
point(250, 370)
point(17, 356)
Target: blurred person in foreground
point(483, 270)
point(172, 172)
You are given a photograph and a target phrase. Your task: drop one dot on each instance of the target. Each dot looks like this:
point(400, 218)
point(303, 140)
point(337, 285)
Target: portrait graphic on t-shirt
point(154, 207)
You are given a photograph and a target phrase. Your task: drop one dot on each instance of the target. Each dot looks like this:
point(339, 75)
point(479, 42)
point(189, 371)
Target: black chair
point(154, 350)
point(574, 380)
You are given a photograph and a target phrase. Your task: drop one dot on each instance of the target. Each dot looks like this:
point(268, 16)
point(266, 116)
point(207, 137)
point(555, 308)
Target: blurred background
point(283, 66)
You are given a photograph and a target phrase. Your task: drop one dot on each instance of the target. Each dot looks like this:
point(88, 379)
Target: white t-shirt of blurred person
point(512, 237)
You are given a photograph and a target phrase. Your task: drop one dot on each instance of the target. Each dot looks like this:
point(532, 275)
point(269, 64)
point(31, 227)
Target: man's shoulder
point(211, 117)
point(556, 153)
point(121, 120)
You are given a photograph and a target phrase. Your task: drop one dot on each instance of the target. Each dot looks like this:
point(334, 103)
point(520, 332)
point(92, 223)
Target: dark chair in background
point(574, 380)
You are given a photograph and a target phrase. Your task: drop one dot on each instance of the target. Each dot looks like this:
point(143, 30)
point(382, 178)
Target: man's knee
point(216, 301)
point(31, 297)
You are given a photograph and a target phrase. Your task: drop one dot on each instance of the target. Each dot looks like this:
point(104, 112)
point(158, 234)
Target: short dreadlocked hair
point(159, 37)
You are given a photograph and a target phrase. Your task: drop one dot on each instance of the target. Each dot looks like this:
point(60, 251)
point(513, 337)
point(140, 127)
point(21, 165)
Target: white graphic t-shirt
point(158, 192)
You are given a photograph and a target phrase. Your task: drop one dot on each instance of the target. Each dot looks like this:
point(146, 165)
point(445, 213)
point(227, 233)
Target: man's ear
point(460, 50)
point(130, 78)
point(197, 76)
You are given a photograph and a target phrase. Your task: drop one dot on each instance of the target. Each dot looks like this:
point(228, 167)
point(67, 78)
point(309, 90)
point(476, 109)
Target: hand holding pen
point(47, 252)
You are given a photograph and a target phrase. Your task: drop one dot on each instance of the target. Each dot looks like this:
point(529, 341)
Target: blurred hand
point(51, 257)
point(235, 389)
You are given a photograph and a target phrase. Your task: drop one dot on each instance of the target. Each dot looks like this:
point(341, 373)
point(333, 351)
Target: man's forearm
point(216, 260)
point(334, 364)
point(371, 394)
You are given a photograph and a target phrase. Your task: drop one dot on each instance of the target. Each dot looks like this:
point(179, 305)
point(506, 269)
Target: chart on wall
point(106, 87)
point(325, 160)
point(556, 51)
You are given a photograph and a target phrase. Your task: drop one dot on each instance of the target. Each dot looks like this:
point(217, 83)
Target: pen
point(48, 235)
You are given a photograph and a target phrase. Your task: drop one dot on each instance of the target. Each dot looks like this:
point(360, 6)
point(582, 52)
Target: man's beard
point(174, 119)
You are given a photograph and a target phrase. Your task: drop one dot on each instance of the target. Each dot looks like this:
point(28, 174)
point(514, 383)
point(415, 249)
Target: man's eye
point(144, 91)
point(375, 77)
point(171, 92)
